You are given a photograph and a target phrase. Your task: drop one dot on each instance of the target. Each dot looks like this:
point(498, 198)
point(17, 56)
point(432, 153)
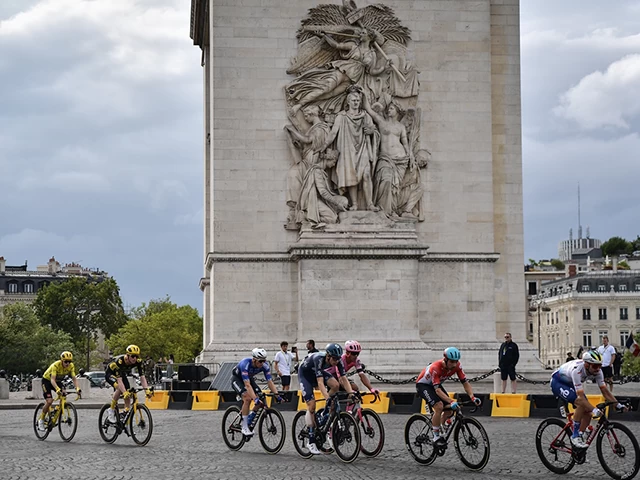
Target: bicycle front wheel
point(371, 432)
point(345, 436)
point(553, 443)
point(108, 431)
point(68, 422)
point(472, 443)
point(141, 425)
point(41, 434)
point(418, 437)
point(272, 430)
point(300, 435)
point(231, 428)
point(618, 451)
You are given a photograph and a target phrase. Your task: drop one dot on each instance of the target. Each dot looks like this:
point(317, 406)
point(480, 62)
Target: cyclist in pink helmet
point(350, 360)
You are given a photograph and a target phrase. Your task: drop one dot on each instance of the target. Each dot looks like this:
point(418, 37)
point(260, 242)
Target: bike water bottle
point(251, 419)
point(563, 411)
point(588, 432)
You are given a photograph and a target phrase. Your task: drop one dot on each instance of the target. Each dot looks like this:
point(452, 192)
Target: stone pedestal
point(4, 389)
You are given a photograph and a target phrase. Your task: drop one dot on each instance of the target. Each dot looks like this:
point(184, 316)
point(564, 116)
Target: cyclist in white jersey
point(567, 384)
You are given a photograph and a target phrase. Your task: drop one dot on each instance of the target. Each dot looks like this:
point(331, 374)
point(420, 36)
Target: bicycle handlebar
point(376, 396)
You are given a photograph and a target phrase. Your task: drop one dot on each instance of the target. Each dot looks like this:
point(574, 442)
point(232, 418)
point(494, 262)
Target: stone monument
point(385, 138)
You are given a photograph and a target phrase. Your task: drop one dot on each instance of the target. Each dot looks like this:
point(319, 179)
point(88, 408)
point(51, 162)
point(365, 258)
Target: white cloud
point(605, 99)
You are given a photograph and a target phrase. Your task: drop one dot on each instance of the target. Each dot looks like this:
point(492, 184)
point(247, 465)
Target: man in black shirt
point(508, 357)
point(311, 347)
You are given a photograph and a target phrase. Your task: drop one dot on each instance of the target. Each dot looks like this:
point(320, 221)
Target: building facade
point(577, 311)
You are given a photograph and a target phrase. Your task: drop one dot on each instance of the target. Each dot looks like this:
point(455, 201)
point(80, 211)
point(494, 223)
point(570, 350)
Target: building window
point(602, 313)
point(637, 313)
point(548, 319)
point(566, 315)
point(28, 288)
point(586, 314)
point(638, 287)
point(586, 338)
point(622, 288)
point(13, 288)
point(601, 335)
point(624, 334)
point(602, 288)
point(585, 288)
point(533, 288)
point(624, 313)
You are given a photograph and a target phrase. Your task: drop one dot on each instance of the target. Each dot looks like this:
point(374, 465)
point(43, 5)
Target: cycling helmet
point(133, 350)
point(81, 372)
point(334, 350)
point(3, 374)
point(592, 356)
point(38, 373)
point(352, 346)
point(452, 353)
point(259, 353)
point(66, 356)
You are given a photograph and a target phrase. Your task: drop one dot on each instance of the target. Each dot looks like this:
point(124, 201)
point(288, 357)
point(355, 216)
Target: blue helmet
point(334, 350)
point(452, 353)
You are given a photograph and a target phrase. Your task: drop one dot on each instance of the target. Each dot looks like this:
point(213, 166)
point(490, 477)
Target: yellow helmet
point(133, 350)
point(66, 356)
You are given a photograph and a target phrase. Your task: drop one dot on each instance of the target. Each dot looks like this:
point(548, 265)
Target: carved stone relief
point(354, 125)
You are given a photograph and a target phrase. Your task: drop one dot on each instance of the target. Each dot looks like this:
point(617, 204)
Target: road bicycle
point(617, 447)
point(336, 431)
point(469, 438)
point(271, 427)
point(64, 416)
point(135, 422)
point(371, 427)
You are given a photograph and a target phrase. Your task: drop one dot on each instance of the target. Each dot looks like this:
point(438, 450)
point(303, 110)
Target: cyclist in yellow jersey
point(56, 371)
point(116, 376)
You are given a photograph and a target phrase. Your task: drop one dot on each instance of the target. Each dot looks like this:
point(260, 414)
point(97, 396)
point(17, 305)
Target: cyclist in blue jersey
point(321, 370)
point(244, 384)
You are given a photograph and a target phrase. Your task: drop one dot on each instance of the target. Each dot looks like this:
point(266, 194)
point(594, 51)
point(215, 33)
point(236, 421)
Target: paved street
point(188, 445)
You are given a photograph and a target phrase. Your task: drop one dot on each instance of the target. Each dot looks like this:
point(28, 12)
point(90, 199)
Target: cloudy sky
point(101, 117)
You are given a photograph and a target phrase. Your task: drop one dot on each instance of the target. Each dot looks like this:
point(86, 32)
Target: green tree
point(26, 344)
point(630, 364)
point(635, 245)
point(68, 306)
point(558, 264)
point(162, 328)
point(616, 246)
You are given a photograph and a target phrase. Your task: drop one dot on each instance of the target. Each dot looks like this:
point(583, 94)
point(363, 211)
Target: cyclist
point(566, 383)
point(245, 385)
point(116, 376)
point(350, 360)
point(429, 387)
point(321, 370)
point(57, 371)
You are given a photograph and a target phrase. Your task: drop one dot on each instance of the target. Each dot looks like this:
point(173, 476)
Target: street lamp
point(87, 314)
point(539, 306)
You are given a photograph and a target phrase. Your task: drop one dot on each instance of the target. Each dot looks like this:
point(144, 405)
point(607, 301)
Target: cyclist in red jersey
point(429, 387)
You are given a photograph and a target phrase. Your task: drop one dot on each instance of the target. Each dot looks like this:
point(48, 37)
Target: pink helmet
point(352, 346)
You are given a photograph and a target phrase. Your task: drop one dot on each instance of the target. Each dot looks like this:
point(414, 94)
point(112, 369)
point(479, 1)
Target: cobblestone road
point(188, 445)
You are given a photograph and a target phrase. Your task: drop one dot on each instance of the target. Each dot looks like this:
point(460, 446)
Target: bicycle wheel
point(271, 430)
point(68, 422)
point(472, 443)
point(41, 434)
point(619, 455)
point(141, 425)
point(108, 431)
point(553, 443)
point(371, 432)
point(418, 437)
point(345, 436)
point(231, 428)
point(300, 435)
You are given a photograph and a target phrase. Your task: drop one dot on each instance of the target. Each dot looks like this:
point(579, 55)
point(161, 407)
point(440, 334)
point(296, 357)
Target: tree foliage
point(630, 364)
point(616, 246)
point(558, 264)
point(161, 328)
point(26, 345)
point(61, 304)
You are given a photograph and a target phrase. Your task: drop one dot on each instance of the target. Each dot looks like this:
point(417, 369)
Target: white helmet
point(259, 353)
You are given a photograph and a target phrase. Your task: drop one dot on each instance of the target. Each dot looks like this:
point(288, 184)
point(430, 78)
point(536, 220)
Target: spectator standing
point(617, 364)
point(508, 357)
point(149, 368)
point(311, 347)
point(569, 357)
point(608, 353)
point(170, 367)
point(283, 362)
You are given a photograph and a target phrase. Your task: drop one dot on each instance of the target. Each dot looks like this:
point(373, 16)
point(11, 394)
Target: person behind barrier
point(283, 362)
point(57, 371)
point(567, 384)
point(116, 376)
point(350, 360)
point(321, 370)
point(429, 387)
point(244, 384)
point(508, 357)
